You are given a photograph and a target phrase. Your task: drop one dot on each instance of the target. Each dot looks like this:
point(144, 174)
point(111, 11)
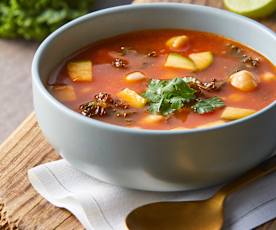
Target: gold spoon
point(193, 215)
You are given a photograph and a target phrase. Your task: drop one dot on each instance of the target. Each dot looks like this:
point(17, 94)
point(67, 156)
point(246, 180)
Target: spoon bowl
point(205, 214)
point(193, 215)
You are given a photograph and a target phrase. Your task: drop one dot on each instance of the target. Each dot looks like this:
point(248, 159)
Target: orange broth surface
point(107, 78)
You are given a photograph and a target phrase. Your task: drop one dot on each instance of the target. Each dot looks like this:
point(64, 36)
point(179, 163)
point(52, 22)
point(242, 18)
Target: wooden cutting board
point(20, 206)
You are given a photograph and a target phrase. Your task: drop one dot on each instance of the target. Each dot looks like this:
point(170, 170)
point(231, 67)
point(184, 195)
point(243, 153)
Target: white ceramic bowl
point(148, 159)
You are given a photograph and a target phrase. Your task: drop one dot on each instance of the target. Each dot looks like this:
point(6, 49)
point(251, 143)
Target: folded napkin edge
point(69, 202)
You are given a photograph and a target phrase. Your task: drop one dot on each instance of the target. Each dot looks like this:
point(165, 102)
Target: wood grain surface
point(23, 207)
point(20, 206)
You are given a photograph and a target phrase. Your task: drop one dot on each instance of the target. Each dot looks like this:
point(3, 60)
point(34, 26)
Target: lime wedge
point(251, 8)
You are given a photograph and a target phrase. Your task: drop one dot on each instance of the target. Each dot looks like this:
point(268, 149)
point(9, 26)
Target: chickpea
point(135, 76)
point(152, 119)
point(243, 80)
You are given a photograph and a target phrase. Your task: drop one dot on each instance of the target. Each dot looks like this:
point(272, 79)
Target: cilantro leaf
point(167, 96)
point(207, 105)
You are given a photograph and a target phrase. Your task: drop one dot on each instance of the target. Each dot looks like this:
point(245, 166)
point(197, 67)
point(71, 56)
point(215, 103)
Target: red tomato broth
point(109, 79)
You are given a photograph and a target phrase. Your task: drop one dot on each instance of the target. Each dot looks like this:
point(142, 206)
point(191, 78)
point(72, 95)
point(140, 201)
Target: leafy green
point(35, 19)
point(167, 96)
point(207, 105)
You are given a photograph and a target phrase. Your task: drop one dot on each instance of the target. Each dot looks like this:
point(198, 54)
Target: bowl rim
point(37, 82)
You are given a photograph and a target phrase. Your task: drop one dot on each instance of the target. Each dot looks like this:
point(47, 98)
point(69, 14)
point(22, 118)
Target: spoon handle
point(265, 168)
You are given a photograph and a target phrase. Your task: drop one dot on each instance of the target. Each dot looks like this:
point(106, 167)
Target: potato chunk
point(80, 71)
point(268, 76)
point(233, 113)
point(132, 98)
point(64, 92)
point(177, 41)
point(243, 80)
point(177, 61)
point(202, 60)
point(135, 76)
point(152, 119)
point(211, 124)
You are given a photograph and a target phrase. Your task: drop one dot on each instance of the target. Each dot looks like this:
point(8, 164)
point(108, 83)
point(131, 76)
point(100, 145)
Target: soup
point(165, 79)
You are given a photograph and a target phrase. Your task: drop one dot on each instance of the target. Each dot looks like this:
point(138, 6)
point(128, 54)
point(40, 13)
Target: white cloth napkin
point(101, 206)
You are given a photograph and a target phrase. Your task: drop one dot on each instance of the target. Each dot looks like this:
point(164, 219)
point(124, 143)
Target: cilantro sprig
point(207, 105)
point(168, 96)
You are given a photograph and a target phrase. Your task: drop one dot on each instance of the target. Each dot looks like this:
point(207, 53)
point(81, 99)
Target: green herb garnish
point(207, 105)
point(35, 19)
point(168, 96)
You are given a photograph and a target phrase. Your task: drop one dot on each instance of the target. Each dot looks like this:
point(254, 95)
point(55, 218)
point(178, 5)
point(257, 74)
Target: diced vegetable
point(202, 60)
point(233, 113)
point(152, 119)
point(177, 41)
point(243, 80)
point(177, 61)
point(268, 76)
point(64, 92)
point(211, 124)
point(135, 76)
point(80, 71)
point(132, 98)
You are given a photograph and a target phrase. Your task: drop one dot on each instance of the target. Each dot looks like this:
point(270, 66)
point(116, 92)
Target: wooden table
point(20, 206)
